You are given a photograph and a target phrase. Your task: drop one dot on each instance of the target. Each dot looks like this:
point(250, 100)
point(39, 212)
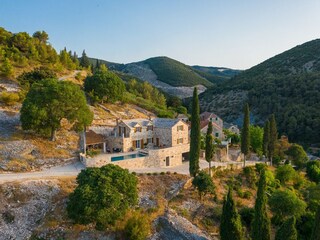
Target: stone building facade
point(143, 143)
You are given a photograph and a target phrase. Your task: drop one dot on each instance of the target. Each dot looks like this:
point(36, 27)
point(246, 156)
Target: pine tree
point(84, 61)
point(266, 137)
point(316, 228)
point(245, 133)
point(209, 146)
point(230, 227)
point(273, 137)
point(195, 135)
point(288, 230)
point(6, 68)
point(261, 222)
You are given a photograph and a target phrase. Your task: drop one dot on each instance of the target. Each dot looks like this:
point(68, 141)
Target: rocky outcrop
point(172, 226)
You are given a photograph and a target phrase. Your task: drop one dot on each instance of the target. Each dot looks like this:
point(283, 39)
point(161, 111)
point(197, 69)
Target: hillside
point(287, 85)
point(170, 75)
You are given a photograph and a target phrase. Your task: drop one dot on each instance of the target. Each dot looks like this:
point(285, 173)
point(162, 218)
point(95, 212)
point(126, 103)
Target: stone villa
point(217, 124)
point(139, 143)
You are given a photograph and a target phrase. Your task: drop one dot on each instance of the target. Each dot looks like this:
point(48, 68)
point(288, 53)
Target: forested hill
point(172, 72)
point(21, 52)
point(287, 84)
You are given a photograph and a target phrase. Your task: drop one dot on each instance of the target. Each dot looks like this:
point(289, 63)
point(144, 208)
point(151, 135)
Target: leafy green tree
point(261, 222)
point(266, 138)
point(210, 147)
point(256, 139)
point(285, 203)
point(203, 183)
point(230, 227)
point(195, 135)
point(316, 228)
point(273, 137)
point(49, 101)
point(137, 227)
point(245, 134)
point(297, 155)
point(104, 85)
point(103, 195)
point(26, 79)
point(6, 68)
point(285, 173)
point(84, 61)
point(287, 230)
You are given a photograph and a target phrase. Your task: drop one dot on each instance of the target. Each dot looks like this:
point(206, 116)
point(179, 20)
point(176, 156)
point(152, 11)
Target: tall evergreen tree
point(261, 222)
point(84, 61)
point(230, 227)
point(245, 133)
point(266, 137)
point(316, 228)
point(288, 230)
point(273, 137)
point(195, 135)
point(209, 146)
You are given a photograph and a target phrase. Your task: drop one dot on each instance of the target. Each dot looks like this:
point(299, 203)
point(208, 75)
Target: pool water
point(125, 157)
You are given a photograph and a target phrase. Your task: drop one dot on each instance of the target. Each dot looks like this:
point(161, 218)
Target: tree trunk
point(244, 160)
point(270, 161)
point(210, 168)
point(84, 140)
point(53, 134)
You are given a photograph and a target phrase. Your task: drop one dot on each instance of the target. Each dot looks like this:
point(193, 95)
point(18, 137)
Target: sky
point(225, 33)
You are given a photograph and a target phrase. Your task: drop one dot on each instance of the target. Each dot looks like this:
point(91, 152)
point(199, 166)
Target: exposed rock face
point(173, 226)
point(23, 207)
point(9, 121)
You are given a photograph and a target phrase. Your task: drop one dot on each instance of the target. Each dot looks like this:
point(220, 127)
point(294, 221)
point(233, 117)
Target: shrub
point(203, 183)
point(286, 203)
point(103, 195)
point(313, 171)
point(260, 166)
point(9, 98)
point(247, 215)
point(137, 227)
point(285, 173)
point(162, 173)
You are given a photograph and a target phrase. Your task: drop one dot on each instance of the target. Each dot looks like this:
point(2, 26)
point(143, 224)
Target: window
point(180, 128)
point(217, 134)
point(137, 129)
point(149, 128)
point(150, 140)
point(179, 140)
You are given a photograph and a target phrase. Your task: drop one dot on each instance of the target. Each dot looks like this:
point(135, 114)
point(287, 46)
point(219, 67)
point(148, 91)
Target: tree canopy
point(103, 195)
point(297, 155)
point(104, 85)
point(203, 183)
point(49, 101)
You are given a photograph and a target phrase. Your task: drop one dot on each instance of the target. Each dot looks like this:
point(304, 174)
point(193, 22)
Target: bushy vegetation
point(203, 183)
point(285, 86)
point(103, 196)
point(9, 98)
point(313, 171)
point(137, 227)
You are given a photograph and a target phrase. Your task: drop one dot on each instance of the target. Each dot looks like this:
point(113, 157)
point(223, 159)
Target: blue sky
point(231, 33)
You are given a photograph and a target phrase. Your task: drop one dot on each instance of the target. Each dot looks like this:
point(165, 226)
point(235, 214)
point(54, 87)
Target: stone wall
point(184, 134)
point(155, 158)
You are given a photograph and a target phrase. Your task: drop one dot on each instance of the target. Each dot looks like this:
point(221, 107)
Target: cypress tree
point(195, 135)
point(209, 146)
point(245, 133)
point(266, 137)
point(84, 61)
point(230, 227)
point(261, 222)
point(288, 230)
point(316, 228)
point(273, 137)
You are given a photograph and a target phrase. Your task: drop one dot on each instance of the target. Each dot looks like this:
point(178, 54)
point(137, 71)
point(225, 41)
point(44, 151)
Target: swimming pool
point(126, 157)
